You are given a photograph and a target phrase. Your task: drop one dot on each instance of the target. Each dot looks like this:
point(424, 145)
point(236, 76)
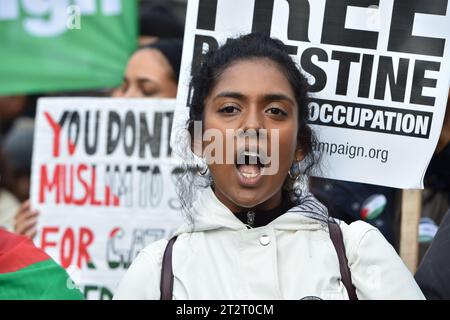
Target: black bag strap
point(167, 272)
point(336, 238)
point(338, 243)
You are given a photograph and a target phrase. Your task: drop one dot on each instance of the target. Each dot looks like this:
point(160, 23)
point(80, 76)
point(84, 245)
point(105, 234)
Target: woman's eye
point(277, 111)
point(229, 110)
point(149, 90)
point(150, 93)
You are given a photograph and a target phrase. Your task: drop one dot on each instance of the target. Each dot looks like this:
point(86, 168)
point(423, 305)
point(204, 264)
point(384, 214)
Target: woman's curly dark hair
point(248, 47)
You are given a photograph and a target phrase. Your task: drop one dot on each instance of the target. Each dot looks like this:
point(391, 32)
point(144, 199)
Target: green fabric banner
point(64, 45)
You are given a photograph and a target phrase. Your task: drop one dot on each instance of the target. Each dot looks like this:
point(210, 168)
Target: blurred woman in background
point(153, 71)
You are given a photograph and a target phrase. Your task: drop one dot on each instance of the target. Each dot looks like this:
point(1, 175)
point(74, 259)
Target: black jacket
point(433, 275)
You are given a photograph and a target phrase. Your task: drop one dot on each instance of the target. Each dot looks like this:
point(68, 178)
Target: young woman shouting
point(252, 235)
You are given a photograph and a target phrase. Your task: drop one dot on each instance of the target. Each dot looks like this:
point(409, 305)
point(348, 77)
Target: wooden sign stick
point(409, 230)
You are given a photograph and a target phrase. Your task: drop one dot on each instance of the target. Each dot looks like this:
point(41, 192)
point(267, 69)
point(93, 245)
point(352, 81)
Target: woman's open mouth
point(249, 166)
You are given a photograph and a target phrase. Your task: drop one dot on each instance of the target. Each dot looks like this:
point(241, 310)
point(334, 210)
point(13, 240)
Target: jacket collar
point(210, 214)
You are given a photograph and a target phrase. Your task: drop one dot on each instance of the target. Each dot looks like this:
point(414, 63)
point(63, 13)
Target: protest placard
point(103, 182)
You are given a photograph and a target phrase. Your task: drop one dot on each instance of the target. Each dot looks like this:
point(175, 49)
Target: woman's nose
point(252, 120)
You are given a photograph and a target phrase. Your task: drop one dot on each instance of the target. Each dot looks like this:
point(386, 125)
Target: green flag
point(64, 45)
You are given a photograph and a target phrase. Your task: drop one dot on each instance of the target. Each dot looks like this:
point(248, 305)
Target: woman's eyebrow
point(230, 94)
point(144, 80)
point(277, 97)
point(266, 97)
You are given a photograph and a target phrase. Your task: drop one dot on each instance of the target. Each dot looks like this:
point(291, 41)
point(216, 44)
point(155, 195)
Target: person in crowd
point(433, 274)
point(8, 202)
point(436, 196)
point(28, 273)
point(252, 233)
point(14, 107)
point(437, 178)
point(10, 108)
point(17, 149)
point(153, 71)
point(351, 201)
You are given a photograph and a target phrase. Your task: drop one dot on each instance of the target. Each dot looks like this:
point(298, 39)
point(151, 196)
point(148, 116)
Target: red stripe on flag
point(18, 252)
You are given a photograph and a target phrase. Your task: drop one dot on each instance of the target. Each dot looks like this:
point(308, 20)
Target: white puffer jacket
point(290, 258)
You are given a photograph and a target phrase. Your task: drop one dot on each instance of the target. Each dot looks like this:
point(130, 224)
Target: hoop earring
point(200, 172)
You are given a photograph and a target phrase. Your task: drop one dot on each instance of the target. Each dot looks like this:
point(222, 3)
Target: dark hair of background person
point(172, 50)
point(24, 106)
point(159, 21)
point(208, 72)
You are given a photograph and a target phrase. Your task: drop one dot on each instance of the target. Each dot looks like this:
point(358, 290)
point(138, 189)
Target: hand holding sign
point(26, 219)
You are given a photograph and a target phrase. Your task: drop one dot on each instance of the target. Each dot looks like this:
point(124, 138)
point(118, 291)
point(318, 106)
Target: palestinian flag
point(28, 273)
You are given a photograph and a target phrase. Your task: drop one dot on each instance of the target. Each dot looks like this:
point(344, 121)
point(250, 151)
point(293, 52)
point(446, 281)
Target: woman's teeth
point(250, 175)
point(250, 167)
point(249, 171)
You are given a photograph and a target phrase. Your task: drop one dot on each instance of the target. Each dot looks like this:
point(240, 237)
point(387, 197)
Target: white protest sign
point(103, 181)
point(379, 71)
